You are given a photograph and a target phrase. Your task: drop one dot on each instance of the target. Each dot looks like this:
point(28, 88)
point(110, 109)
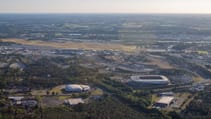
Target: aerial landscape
point(105, 65)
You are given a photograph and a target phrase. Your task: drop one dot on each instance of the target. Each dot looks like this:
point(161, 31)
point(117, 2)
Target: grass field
point(159, 62)
point(197, 79)
point(58, 89)
point(75, 45)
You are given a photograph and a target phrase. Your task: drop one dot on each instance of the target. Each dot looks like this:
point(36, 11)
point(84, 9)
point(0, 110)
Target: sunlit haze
point(105, 6)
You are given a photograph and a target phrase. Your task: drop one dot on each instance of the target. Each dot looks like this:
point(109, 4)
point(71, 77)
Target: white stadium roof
point(150, 79)
point(76, 87)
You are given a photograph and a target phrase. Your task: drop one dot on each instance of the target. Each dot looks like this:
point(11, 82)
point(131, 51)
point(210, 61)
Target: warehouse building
point(164, 102)
point(74, 101)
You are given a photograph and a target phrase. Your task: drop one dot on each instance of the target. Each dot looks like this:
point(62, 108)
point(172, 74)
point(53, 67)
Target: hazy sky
point(105, 6)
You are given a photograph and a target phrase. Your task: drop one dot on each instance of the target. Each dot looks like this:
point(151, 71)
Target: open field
point(38, 92)
point(197, 79)
point(74, 45)
point(52, 101)
point(58, 89)
point(159, 62)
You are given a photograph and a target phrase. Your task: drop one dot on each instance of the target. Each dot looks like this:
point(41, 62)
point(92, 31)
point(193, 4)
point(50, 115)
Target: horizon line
point(103, 13)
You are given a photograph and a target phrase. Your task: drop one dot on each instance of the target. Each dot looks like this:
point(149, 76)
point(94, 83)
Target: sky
point(105, 6)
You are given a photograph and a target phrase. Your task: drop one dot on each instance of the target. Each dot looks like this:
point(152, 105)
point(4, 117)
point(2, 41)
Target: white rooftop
point(15, 97)
point(166, 99)
point(74, 101)
point(149, 78)
point(74, 86)
point(77, 86)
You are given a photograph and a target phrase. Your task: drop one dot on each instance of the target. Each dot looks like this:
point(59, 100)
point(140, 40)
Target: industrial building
point(74, 101)
point(150, 79)
point(76, 88)
point(164, 102)
point(20, 100)
point(16, 100)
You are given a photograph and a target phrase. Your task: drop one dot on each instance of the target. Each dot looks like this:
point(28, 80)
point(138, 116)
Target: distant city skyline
point(106, 6)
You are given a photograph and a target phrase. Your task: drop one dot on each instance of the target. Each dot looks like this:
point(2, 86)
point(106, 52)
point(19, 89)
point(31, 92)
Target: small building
point(20, 100)
point(164, 102)
point(74, 101)
point(16, 100)
point(29, 103)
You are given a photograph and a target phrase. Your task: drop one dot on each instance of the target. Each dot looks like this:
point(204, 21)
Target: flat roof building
point(74, 101)
point(164, 101)
point(15, 98)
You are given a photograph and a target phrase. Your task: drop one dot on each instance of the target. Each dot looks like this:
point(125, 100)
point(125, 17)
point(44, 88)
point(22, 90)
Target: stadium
point(150, 79)
point(76, 88)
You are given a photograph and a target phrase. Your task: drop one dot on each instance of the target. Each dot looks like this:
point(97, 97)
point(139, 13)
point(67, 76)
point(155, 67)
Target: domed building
point(85, 87)
point(76, 88)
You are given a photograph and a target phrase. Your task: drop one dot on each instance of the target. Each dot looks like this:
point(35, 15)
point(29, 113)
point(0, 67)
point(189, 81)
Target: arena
point(150, 79)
